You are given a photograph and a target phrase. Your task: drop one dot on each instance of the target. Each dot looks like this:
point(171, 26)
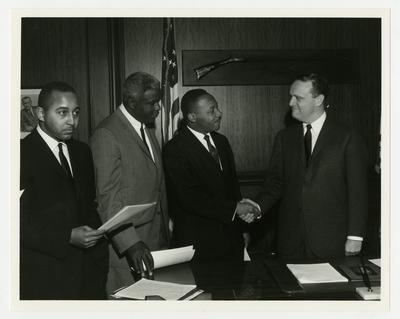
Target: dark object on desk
point(353, 273)
point(284, 278)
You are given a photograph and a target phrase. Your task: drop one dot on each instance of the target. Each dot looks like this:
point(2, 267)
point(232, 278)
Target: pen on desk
point(365, 276)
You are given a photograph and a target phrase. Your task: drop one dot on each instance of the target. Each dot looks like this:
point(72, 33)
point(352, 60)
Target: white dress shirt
point(52, 143)
point(136, 125)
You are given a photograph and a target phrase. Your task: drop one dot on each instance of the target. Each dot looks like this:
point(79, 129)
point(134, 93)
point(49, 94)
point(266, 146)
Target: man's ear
point(40, 113)
point(319, 100)
point(192, 117)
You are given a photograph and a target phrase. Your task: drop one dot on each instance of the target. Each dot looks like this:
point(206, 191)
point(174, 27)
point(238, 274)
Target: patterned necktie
point(143, 136)
point(307, 144)
point(64, 162)
point(213, 151)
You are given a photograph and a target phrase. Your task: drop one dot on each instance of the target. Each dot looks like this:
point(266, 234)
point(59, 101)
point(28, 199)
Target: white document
point(146, 287)
point(316, 273)
point(168, 257)
point(125, 214)
point(375, 294)
point(376, 261)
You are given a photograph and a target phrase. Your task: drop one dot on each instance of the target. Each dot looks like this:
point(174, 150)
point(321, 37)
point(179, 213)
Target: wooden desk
point(260, 279)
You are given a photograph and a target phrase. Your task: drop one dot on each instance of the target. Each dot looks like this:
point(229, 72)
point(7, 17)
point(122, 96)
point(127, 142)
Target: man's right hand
point(137, 255)
point(85, 236)
point(247, 212)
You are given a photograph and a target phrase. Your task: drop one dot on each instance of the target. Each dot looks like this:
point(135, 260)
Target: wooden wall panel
point(56, 49)
point(74, 50)
point(252, 115)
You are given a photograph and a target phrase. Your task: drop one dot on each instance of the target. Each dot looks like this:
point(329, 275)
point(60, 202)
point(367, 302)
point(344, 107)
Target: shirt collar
point(317, 124)
point(199, 135)
point(50, 141)
point(135, 123)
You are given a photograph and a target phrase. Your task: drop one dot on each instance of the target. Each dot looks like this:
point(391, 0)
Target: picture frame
point(28, 115)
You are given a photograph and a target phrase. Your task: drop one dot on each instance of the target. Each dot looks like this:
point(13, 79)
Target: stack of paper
point(166, 290)
point(315, 273)
point(364, 293)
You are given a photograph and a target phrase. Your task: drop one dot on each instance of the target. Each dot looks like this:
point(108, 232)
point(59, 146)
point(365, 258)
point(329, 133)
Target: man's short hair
point(189, 101)
point(319, 83)
point(45, 94)
point(136, 84)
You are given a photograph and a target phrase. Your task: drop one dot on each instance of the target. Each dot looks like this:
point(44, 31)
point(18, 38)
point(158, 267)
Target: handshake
point(248, 210)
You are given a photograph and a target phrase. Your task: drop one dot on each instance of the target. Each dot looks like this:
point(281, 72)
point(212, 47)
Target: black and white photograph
point(201, 162)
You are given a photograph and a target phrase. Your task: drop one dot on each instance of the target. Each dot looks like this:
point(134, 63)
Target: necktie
point(64, 162)
point(213, 151)
point(307, 144)
point(143, 136)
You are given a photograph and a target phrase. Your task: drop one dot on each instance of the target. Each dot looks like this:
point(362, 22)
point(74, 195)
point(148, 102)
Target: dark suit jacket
point(203, 198)
point(328, 199)
point(51, 206)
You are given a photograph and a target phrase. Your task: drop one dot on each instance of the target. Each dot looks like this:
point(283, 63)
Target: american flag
point(170, 112)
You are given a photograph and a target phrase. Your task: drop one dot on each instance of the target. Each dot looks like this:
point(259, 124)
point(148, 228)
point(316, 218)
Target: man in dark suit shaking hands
point(62, 255)
point(318, 169)
point(202, 185)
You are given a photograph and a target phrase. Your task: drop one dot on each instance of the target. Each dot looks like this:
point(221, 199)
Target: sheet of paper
point(316, 273)
point(128, 213)
point(21, 192)
point(145, 287)
point(168, 257)
point(376, 261)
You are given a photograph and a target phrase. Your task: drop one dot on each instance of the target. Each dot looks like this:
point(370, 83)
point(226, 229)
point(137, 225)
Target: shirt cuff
point(355, 238)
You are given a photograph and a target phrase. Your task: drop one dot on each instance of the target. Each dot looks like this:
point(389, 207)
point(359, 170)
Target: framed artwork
point(29, 102)
point(266, 67)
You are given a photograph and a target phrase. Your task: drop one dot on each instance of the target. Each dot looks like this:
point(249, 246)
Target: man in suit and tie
point(203, 189)
point(62, 255)
point(128, 169)
point(318, 169)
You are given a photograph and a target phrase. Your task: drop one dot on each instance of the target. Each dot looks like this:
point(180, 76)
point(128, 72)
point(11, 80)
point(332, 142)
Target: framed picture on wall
point(29, 102)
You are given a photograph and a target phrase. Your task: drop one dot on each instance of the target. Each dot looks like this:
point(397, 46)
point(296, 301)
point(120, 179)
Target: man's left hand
point(352, 247)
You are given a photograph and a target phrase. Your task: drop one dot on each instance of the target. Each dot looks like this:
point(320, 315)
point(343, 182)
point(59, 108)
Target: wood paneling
point(253, 115)
point(73, 50)
point(56, 50)
point(86, 54)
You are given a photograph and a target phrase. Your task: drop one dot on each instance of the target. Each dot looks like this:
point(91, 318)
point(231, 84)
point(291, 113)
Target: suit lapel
point(298, 145)
point(76, 171)
point(156, 152)
point(323, 138)
point(221, 152)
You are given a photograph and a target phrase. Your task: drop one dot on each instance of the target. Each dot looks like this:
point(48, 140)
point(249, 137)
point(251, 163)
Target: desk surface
point(260, 279)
